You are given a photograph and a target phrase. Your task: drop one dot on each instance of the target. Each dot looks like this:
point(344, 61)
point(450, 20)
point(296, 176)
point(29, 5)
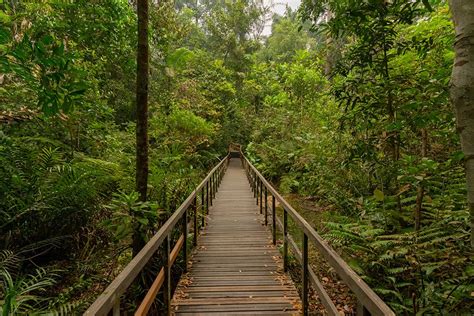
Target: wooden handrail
point(110, 298)
point(155, 287)
point(367, 298)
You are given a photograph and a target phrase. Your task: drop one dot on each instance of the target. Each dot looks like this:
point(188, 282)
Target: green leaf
point(143, 221)
point(4, 18)
point(179, 58)
point(378, 195)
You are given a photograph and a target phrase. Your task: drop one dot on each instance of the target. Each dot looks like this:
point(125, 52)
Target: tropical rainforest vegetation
point(345, 106)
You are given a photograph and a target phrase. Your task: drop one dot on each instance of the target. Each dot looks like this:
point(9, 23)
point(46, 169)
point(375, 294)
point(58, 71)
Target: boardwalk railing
point(109, 300)
point(368, 301)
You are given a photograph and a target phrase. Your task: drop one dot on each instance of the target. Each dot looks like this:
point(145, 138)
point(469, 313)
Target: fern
point(9, 261)
point(21, 296)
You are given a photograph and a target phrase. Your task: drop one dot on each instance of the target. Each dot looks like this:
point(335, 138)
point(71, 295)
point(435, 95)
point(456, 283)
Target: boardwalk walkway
point(235, 269)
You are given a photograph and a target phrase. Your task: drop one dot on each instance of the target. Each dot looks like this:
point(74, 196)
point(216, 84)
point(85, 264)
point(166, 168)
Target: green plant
point(23, 294)
point(130, 215)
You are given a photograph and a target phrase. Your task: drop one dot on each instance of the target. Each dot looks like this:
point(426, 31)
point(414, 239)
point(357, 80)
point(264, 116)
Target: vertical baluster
point(261, 197)
point(216, 185)
point(361, 310)
point(195, 213)
point(207, 197)
point(274, 229)
point(305, 275)
point(167, 285)
point(285, 240)
point(210, 187)
point(214, 182)
point(266, 205)
point(203, 222)
point(116, 308)
point(257, 184)
point(249, 172)
point(185, 241)
point(253, 185)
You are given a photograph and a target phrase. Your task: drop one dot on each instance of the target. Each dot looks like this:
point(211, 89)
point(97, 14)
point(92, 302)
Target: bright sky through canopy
point(280, 7)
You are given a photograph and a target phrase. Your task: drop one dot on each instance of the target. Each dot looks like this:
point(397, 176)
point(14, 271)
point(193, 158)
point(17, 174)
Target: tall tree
point(142, 112)
point(462, 89)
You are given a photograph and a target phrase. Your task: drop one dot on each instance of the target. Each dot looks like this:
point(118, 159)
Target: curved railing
point(109, 300)
point(368, 301)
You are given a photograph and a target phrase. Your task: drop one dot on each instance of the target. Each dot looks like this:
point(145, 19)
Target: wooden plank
point(231, 301)
point(236, 268)
point(243, 294)
point(241, 288)
point(232, 308)
point(240, 313)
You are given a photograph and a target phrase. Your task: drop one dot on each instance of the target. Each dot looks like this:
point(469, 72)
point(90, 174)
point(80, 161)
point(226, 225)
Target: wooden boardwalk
point(235, 269)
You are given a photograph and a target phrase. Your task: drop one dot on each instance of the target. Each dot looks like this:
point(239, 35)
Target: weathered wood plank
point(236, 268)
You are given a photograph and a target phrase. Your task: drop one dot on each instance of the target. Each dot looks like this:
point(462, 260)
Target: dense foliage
point(374, 144)
point(345, 103)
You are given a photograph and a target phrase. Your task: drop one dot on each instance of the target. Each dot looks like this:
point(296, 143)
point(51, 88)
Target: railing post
point(285, 240)
point(116, 309)
point(305, 275)
point(257, 185)
point(196, 228)
point(167, 285)
point(216, 184)
point(203, 210)
point(185, 241)
point(211, 188)
point(249, 171)
point(261, 197)
point(253, 185)
point(361, 310)
point(266, 206)
point(274, 220)
point(207, 197)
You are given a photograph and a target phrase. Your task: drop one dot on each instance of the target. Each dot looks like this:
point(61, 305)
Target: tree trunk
point(142, 113)
point(421, 190)
point(462, 89)
point(419, 206)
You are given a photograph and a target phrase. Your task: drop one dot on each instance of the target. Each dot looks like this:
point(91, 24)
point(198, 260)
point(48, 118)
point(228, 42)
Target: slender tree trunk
point(419, 206)
point(462, 89)
point(421, 190)
point(142, 113)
